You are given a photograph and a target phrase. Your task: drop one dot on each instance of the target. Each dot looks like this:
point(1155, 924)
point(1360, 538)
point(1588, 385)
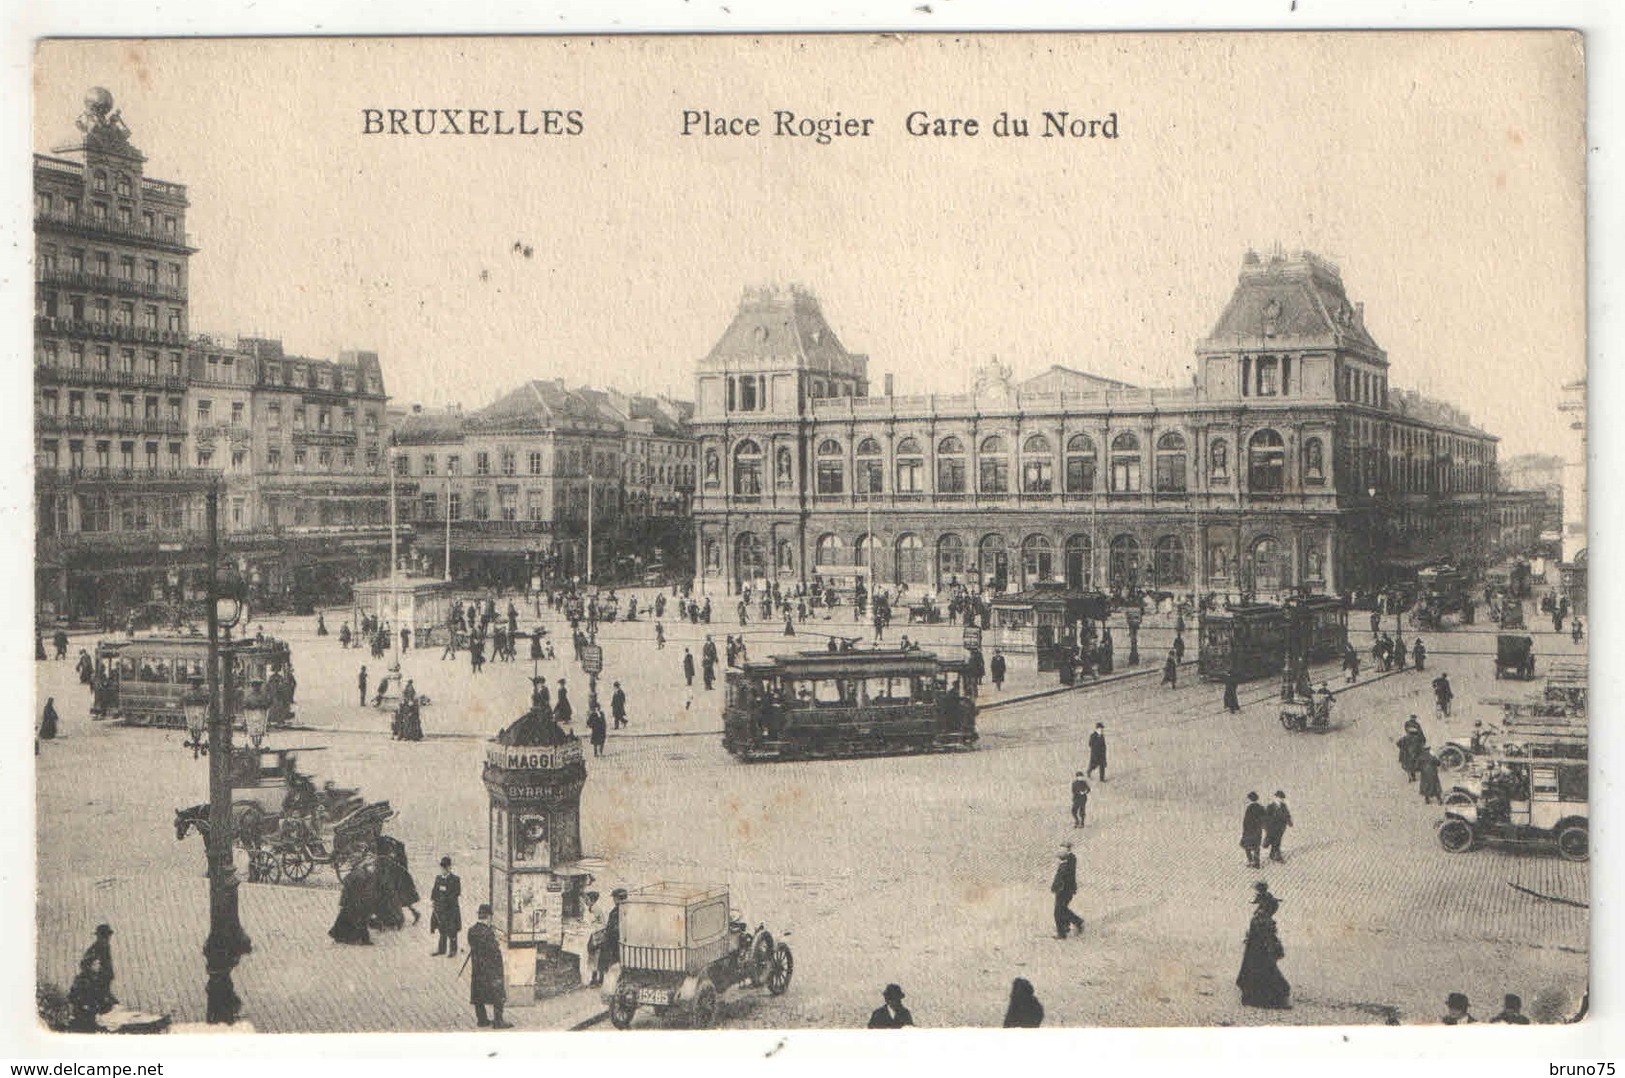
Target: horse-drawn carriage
point(285, 824)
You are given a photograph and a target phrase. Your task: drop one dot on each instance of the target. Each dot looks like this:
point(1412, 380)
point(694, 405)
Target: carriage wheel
point(622, 1006)
point(345, 860)
point(783, 968)
point(703, 1012)
point(263, 867)
point(296, 864)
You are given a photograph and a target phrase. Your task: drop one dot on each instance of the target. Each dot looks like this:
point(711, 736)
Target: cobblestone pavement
point(930, 871)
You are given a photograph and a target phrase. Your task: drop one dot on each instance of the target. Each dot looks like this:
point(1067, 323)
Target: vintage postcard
point(810, 532)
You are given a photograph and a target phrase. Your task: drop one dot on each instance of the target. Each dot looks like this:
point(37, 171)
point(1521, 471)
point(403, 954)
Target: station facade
point(1289, 465)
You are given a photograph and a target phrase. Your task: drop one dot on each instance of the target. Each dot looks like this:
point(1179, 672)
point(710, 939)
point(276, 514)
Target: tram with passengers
point(145, 681)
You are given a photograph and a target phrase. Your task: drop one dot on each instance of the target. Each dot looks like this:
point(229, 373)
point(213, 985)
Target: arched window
point(1266, 462)
point(784, 468)
point(1218, 456)
point(1080, 569)
point(830, 550)
point(1314, 461)
point(1271, 565)
point(1168, 562)
point(1080, 465)
point(950, 560)
point(994, 562)
point(910, 567)
point(1123, 569)
point(713, 468)
point(1125, 464)
point(993, 466)
point(865, 552)
point(748, 469)
point(830, 467)
point(1037, 466)
point(1170, 476)
point(871, 469)
point(950, 466)
point(122, 184)
point(750, 561)
point(910, 467)
point(1037, 560)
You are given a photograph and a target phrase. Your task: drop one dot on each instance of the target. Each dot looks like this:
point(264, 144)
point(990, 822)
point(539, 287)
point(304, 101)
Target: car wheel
point(622, 1006)
point(1458, 796)
point(703, 1014)
point(1452, 758)
point(1574, 842)
point(783, 968)
point(1456, 836)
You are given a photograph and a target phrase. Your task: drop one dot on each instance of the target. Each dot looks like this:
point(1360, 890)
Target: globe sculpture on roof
point(98, 100)
point(101, 123)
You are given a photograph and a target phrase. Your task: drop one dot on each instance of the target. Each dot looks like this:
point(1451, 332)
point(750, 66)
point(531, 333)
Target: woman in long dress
point(1260, 979)
point(357, 903)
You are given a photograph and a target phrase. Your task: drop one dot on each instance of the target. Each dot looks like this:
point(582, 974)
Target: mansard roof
point(541, 403)
point(1293, 300)
point(773, 325)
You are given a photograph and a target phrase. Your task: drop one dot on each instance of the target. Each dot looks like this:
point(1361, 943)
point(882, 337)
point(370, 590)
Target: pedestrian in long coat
point(91, 993)
point(344, 635)
point(1097, 750)
point(596, 729)
point(361, 685)
point(996, 668)
point(86, 667)
point(488, 982)
point(395, 888)
point(1419, 656)
point(49, 720)
point(1277, 818)
point(1412, 746)
point(1252, 830)
point(1232, 704)
point(60, 639)
point(1080, 799)
point(1024, 1011)
point(1442, 694)
point(1170, 671)
point(563, 713)
point(1260, 979)
point(446, 908)
point(1063, 887)
point(357, 902)
point(1428, 766)
point(688, 667)
point(535, 645)
point(617, 706)
point(39, 648)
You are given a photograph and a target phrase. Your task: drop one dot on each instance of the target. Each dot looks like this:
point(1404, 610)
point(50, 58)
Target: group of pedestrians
point(1264, 827)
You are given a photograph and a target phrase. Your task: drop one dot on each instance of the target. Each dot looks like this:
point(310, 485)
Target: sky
point(1444, 173)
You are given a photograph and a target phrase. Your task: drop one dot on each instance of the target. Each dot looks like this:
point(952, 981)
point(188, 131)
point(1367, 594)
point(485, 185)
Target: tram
point(1317, 627)
point(848, 703)
point(144, 681)
point(1245, 641)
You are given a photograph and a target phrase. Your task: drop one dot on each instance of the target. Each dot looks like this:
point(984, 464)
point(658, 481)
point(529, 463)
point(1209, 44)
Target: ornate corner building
point(136, 418)
point(1290, 464)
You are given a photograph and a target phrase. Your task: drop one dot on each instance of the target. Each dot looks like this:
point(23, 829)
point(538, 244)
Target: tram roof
point(871, 663)
point(182, 645)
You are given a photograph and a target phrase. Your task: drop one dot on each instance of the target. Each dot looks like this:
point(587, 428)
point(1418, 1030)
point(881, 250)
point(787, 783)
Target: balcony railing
point(124, 286)
point(142, 540)
point(95, 376)
point(324, 437)
point(117, 331)
point(106, 424)
point(133, 476)
point(108, 226)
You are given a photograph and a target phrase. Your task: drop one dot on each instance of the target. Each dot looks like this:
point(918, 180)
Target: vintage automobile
point(681, 947)
point(1515, 657)
point(1527, 801)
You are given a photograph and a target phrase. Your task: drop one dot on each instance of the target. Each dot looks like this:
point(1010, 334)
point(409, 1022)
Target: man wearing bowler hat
point(1277, 818)
point(609, 950)
point(1063, 887)
point(892, 1014)
point(488, 982)
point(446, 914)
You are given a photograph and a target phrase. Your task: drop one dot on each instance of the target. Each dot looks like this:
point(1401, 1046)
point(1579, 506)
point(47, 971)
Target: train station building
point(1290, 464)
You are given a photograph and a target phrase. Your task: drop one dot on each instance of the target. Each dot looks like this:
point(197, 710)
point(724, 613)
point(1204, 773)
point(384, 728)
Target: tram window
point(1573, 783)
point(829, 692)
point(1543, 782)
point(127, 669)
point(884, 690)
point(160, 670)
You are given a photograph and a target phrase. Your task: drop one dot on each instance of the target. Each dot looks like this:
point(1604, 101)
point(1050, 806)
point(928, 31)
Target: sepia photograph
point(809, 532)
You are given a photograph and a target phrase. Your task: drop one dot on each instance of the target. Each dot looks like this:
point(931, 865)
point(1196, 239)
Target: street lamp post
point(227, 941)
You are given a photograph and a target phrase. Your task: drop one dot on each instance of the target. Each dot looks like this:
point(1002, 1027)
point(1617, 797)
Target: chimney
point(888, 384)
